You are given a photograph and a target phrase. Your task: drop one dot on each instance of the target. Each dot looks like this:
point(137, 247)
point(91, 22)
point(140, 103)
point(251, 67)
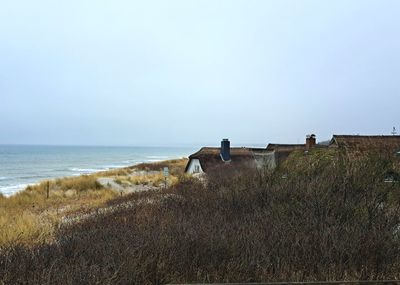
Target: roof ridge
point(368, 136)
point(287, 143)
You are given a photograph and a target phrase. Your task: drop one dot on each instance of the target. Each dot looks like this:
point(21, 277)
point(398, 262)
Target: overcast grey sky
point(187, 72)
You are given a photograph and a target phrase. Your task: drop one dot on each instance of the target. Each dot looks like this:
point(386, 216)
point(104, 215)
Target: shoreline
point(18, 188)
point(32, 215)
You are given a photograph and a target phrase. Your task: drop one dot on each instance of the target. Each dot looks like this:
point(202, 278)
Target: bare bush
point(315, 218)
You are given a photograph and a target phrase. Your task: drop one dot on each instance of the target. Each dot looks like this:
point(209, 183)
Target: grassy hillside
point(30, 216)
point(329, 219)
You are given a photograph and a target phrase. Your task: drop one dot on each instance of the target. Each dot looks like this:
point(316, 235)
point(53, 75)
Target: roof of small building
point(210, 157)
point(285, 147)
point(366, 143)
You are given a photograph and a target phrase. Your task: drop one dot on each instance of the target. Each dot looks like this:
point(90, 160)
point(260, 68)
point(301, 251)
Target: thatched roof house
point(357, 143)
point(280, 152)
point(208, 158)
point(285, 147)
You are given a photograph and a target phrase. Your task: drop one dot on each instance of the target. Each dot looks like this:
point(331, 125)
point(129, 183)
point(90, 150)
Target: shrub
point(329, 220)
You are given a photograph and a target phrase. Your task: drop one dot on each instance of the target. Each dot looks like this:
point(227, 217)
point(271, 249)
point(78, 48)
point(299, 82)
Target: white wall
point(193, 164)
point(267, 160)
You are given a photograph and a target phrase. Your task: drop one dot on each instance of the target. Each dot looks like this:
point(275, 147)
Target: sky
point(185, 73)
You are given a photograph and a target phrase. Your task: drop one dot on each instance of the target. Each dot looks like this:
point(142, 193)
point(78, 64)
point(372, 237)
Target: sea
point(23, 165)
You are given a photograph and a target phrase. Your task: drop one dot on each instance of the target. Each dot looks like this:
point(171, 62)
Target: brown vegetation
point(326, 219)
point(176, 166)
point(147, 173)
point(31, 216)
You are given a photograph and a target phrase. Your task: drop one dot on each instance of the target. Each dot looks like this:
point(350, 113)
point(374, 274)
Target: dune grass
point(176, 166)
point(31, 216)
point(147, 173)
point(152, 179)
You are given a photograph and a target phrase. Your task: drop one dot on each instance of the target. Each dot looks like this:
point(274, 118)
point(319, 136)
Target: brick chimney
point(225, 150)
point(310, 141)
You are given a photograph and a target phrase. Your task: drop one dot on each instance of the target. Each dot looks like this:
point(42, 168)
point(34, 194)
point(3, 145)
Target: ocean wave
point(157, 156)
point(154, 160)
point(93, 170)
point(3, 178)
point(28, 177)
point(113, 166)
point(12, 189)
point(85, 170)
point(129, 161)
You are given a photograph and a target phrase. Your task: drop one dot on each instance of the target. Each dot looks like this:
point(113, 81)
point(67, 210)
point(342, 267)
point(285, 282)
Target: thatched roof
point(366, 143)
point(209, 157)
point(285, 147)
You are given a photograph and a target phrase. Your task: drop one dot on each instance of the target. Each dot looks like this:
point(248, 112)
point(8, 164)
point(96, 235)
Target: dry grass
point(114, 172)
point(24, 227)
point(153, 179)
point(29, 217)
point(147, 173)
point(176, 166)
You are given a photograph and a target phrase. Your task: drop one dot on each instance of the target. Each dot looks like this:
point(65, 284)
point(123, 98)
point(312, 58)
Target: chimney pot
point(310, 141)
point(225, 150)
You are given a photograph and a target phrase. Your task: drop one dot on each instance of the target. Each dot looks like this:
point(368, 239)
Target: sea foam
point(85, 170)
point(12, 189)
point(157, 156)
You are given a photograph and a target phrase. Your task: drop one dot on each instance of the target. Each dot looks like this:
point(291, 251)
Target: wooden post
point(48, 189)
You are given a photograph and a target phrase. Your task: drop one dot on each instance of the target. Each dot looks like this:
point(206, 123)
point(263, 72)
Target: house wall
point(266, 160)
point(270, 160)
point(194, 167)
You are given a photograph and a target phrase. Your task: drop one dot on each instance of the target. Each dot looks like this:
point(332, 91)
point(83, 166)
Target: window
point(196, 168)
point(391, 176)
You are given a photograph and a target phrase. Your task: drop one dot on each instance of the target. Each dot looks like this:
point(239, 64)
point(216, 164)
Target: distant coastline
point(24, 165)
